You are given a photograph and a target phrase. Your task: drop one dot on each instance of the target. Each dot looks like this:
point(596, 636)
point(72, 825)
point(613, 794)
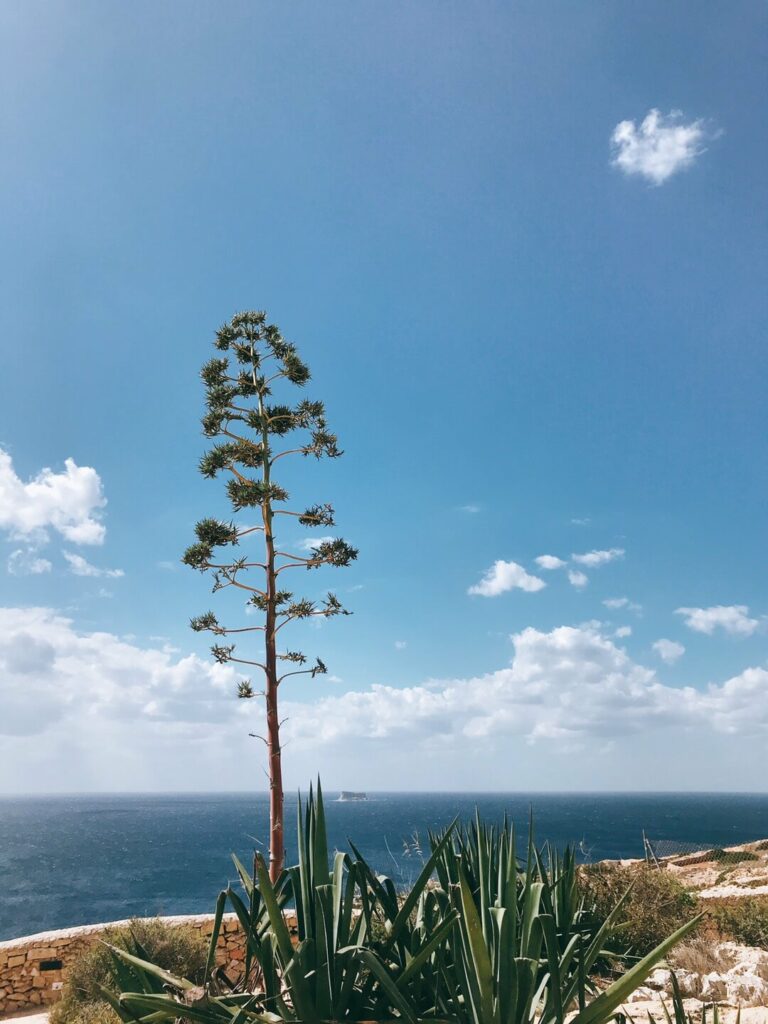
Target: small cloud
point(577, 579)
point(593, 559)
point(614, 603)
point(669, 650)
point(168, 566)
point(470, 509)
point(504, 576)
point(659, 147)
point(333, 679)
point(550, 562)
point(623, 631)
point(309, 544)
point(581, 522)
point(400, 645)
point(734, 619)
point(25, 562)
point(78, 566)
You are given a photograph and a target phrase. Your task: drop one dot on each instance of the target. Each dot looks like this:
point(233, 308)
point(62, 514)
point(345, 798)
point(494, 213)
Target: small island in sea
point(346, 795)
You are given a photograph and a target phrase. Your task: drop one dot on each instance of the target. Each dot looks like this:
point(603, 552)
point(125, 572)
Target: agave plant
point(480, 938)
point(523, 950)
point(335, 970)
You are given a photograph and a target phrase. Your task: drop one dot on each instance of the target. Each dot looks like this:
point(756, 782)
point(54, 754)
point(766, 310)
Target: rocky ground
point(733, 976)
point(734, 872)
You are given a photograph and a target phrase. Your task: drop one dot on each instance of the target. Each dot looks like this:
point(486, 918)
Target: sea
point(70, 860)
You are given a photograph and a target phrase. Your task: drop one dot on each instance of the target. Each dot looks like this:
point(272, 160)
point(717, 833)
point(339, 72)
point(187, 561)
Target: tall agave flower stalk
point(253, 434)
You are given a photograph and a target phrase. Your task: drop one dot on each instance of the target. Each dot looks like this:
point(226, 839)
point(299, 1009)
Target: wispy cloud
point(504, 576)
point(581, 522)
point(308, 544)
point(577, 578)
point(660, 146)
point(615, 603)
point(733, 619)
point(593, 559)
point(400, 645)
point(26, 562)
point(78, 566)
point(623, 631)
point(550, 562)
point(669, 650)
point(469, 509)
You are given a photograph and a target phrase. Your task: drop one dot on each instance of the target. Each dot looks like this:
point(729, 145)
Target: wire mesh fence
point(657, 850)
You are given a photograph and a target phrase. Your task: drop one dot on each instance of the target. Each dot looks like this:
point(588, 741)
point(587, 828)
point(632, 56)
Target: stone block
point(44, 953)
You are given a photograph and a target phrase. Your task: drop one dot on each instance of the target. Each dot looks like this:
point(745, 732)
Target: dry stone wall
point(33, 969)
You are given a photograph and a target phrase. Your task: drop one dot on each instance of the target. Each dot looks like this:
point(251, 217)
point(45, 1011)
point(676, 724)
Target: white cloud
point(26, 562)
point(504, 576)
point(581, 522)
point(469, 509)
point(50, 672)
point(400, 645)
point(167, 565)
point(623, 631)
point(593, 559)
point(550, 562)
point(734, 619)
point(577, 579)
point(309, 544)
point(78, 566)
point(659, 147)
point(669, 650)
point(69, 502)
point(571, 684)
point(90, 710)
point(616, 603)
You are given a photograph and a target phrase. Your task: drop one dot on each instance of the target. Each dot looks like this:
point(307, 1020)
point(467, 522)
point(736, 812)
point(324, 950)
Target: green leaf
point(389, 988)
point(152, 969)
point(481, 978)
point(419, 886)
point(417, 962)
point(602, 1007)
point(210, 962)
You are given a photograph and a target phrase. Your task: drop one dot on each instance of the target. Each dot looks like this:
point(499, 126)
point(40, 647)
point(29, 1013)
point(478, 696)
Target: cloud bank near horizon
point(113, 714)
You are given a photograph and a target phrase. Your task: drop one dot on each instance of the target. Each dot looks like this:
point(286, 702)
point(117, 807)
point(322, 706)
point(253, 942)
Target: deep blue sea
point(69, 860)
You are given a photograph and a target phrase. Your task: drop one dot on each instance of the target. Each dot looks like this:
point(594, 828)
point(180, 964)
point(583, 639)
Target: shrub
point(657, 905)
point(180, 950)
point(732, 856)
point(744, 920)
point(700, 955)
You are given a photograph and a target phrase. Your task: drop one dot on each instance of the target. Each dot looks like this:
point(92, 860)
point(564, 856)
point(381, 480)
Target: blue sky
point(526, 348)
